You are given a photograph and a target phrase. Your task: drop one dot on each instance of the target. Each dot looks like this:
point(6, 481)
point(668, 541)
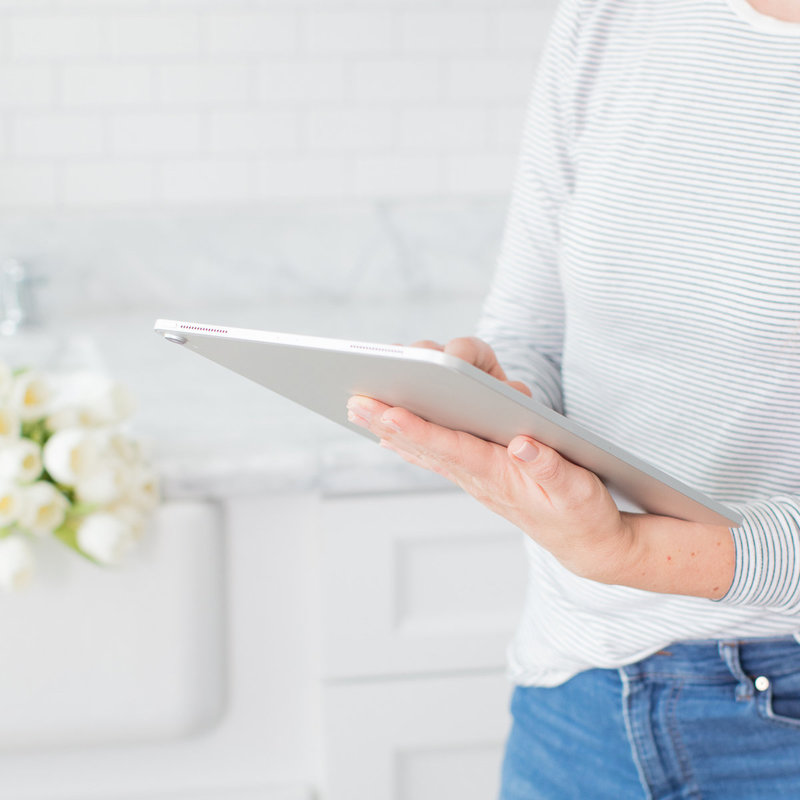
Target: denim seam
point(731, 654)
point(688, 678)
point(631, 732)
point(687, 773)
point(779, 673)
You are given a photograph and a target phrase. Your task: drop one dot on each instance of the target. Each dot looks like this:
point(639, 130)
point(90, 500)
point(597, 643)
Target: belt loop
point(729, 653)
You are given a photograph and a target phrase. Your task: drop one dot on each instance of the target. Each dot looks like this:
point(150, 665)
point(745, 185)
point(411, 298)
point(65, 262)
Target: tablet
point(321, 374)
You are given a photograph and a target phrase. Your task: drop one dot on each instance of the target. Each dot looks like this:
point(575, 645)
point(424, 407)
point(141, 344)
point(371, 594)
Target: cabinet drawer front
point(418, 583)
point(420, 739)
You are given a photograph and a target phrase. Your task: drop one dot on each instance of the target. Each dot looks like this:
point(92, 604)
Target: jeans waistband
point(723, 660)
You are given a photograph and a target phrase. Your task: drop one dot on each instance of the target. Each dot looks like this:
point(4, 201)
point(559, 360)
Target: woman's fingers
point(476, 352)
point(402, 429)
point(454, 454)
point(565, 484)
point(364, 411)
point(520, 386)
point(429, 344)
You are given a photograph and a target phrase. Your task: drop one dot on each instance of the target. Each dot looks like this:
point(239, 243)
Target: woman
point(649, 287)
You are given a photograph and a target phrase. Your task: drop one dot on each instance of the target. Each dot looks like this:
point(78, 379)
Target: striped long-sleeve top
point(649, 287)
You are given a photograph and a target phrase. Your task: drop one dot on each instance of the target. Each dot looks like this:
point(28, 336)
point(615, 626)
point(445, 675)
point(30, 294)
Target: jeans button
point(761, 683)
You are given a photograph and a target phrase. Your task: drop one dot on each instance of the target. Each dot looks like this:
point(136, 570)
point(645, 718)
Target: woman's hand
point(564, 508)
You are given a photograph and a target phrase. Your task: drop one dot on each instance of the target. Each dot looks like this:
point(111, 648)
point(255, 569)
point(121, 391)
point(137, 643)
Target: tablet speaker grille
point(206, 330)
point(377, 348)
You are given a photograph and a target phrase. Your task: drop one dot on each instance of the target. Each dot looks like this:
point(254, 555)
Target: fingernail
point(357, 418)
point(356, 409)
point(525, 451)
point(390, 423)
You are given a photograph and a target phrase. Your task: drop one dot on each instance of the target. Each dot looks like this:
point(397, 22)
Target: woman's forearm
point(673, 556)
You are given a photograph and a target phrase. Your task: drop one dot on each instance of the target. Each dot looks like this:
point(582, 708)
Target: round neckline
point(763, 22)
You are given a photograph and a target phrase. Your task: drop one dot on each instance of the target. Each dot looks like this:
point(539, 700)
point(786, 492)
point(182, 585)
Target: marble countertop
point(214, 434)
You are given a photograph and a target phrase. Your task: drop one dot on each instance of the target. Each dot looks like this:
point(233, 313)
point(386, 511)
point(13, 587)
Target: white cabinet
point(431, 738)
point(421, 582)
point(272, 646)
point(420, 595)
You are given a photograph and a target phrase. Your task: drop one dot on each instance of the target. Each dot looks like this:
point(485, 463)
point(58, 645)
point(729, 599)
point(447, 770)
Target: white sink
point(98, 656)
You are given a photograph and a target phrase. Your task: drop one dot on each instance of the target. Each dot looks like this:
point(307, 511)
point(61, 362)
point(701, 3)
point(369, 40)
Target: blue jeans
point(702, 719)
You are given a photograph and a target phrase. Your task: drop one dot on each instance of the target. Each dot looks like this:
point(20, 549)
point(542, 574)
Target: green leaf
point(36, 430)
point(80, 509)
point(68, 535)
point(67, 491)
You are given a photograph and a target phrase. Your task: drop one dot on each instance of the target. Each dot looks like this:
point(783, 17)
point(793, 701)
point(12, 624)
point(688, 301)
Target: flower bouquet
point(68, 470)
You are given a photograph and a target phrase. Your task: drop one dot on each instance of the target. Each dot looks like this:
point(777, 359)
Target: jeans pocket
point(779, 700)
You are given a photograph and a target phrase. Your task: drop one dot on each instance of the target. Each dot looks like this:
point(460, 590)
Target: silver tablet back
point(321, 374)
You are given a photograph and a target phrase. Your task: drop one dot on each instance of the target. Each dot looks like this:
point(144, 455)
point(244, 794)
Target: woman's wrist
point(603, 556)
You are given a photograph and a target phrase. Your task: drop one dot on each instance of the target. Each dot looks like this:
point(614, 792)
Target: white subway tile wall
point(142, 103)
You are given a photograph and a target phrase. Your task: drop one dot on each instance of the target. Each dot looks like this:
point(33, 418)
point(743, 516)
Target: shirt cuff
point(767, 571)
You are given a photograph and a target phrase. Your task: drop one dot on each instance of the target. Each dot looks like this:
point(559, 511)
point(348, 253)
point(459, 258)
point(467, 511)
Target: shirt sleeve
point(767, 544)
point(523, 314)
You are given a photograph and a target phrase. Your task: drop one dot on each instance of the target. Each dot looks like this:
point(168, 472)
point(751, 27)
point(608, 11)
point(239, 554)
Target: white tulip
point(10, 503)
point(10, 423)
point(98, 399)
point(113, 405)
point(105, 485)
point(30, 395)
point(64, 417)
point(71, 455)
point(122, 447)
point(6, 379)
point(106, 537)
point(20, 460)
point(43, 508)
point(16, 563)
point(143, 489)
point(135, 517)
